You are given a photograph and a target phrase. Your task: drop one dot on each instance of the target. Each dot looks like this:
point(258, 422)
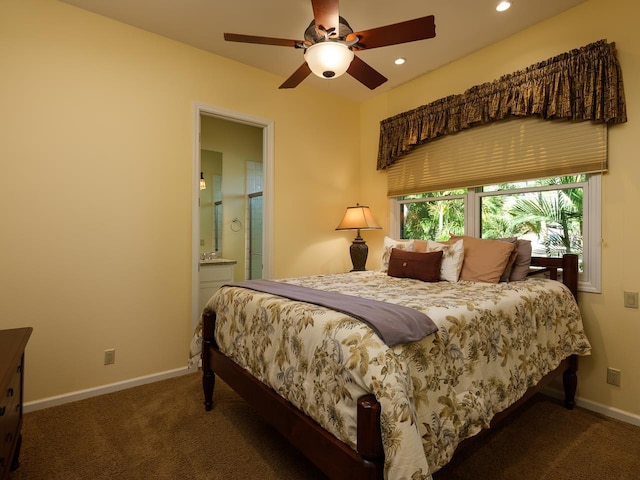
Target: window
point(559, 215)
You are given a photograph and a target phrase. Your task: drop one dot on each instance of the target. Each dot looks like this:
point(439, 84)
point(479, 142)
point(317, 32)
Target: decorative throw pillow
point(522, 263)
point(417, 265)
point(452, 258)
point(507, 270)
point(484, 260)
point(390, 243)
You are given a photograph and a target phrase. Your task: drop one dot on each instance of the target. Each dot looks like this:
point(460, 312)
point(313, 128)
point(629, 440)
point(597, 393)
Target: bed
point(360, 409)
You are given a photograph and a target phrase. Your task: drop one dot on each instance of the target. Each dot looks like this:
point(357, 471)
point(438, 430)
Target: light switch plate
point(110, 356)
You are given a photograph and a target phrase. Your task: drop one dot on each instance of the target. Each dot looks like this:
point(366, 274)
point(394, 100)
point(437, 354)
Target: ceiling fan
point(329, 44)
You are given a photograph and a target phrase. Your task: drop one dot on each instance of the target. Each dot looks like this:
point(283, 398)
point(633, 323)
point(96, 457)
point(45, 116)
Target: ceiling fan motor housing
point(315, 35)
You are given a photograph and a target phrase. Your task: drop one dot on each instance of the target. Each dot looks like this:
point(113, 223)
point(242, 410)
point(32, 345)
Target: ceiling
point(462, 27)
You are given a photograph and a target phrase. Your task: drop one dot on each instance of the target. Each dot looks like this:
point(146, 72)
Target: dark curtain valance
point(583, 84)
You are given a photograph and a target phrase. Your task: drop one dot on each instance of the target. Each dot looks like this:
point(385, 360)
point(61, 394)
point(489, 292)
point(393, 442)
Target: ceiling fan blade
point(403, 32)
point(325, 15)
point(298, 76)
point(280, 42)
point(365, 74)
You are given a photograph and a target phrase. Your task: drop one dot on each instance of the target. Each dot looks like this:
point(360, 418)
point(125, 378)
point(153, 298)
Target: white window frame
point(590, 278)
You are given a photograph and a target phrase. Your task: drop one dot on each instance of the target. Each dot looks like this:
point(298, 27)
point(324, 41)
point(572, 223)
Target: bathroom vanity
point(214, 273)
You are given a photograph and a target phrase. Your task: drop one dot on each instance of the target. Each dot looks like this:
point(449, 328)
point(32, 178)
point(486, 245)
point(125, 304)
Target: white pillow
point(389, 244)
point(452, 258)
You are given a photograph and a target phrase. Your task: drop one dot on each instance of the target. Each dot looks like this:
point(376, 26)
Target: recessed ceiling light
point(504, 5)
point(399, 61)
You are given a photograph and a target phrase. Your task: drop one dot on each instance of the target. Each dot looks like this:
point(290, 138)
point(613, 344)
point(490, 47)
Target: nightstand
point(12, 345)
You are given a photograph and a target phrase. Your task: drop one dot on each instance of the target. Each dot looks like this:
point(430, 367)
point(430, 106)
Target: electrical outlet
point(110, 356)
point(631, 300)
point(613, 376)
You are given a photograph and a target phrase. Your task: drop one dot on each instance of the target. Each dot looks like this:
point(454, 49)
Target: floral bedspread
point(494, 341)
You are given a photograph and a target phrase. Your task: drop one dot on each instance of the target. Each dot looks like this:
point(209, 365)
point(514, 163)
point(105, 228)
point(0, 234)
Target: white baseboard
point(596, 407)
point(110, 388)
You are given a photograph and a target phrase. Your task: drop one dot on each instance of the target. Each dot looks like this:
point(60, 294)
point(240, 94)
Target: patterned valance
point(583, 84)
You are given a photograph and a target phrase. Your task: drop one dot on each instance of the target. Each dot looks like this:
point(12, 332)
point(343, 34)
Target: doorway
point(259, 234)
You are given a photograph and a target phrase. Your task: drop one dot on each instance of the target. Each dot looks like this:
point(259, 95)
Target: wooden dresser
point(12, 345)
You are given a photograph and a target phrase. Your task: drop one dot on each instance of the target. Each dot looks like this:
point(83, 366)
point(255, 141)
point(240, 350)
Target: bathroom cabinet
point(214, 274)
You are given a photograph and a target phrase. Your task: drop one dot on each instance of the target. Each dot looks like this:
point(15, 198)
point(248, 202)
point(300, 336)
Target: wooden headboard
point(567, 263)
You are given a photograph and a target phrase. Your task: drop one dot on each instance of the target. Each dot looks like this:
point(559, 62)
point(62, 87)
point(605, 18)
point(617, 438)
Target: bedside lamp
point(358, 218)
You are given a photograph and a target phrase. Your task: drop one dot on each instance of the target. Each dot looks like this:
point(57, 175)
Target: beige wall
point(96, 145)
point(613, 329)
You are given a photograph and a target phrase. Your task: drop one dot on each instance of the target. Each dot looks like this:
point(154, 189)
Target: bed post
point(570, 382)
point(369, 435)
point(570, 377)
point(208, 377)
point(570, 273)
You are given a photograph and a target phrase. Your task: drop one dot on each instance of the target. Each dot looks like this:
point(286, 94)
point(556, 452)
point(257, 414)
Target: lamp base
point(359, 252)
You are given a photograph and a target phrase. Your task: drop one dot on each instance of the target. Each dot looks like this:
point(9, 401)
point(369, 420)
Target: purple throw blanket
point(394, 324)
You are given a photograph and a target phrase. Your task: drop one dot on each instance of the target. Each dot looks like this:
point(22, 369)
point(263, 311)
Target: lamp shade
point(358, 218)
point(328, 59)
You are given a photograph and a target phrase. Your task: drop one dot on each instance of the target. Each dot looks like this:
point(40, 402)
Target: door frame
point(267, 189)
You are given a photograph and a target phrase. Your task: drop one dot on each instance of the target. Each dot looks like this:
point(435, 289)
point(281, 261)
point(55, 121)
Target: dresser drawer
point(12, 345)
point(10, 415)
point(9, 431)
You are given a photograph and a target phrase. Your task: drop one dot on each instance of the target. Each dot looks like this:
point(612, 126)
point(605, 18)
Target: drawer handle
point(2, 410)
point(19, 369)
point(9, 437)
point(10, 392)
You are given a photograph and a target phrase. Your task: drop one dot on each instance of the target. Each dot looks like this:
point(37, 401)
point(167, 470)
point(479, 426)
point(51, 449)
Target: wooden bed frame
point(336, 459)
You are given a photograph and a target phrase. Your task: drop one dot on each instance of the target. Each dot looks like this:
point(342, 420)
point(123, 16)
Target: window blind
point(500, 152)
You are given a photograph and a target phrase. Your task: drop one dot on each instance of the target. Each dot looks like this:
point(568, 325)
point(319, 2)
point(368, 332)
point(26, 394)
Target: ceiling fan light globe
point(328, 59)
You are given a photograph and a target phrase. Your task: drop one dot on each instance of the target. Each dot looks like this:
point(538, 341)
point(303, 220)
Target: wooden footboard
point(336, 459)
point(333, 457)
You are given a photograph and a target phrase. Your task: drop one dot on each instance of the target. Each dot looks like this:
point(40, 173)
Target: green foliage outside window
point(545, 211)
point(433, 219)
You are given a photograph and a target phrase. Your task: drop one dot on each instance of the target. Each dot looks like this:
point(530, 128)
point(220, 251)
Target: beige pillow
point(388, 245)
point(484, 260)
point(420, 245)
point(452, 258)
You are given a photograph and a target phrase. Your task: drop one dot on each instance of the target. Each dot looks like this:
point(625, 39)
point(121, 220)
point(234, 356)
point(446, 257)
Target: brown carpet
point(153, 432)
